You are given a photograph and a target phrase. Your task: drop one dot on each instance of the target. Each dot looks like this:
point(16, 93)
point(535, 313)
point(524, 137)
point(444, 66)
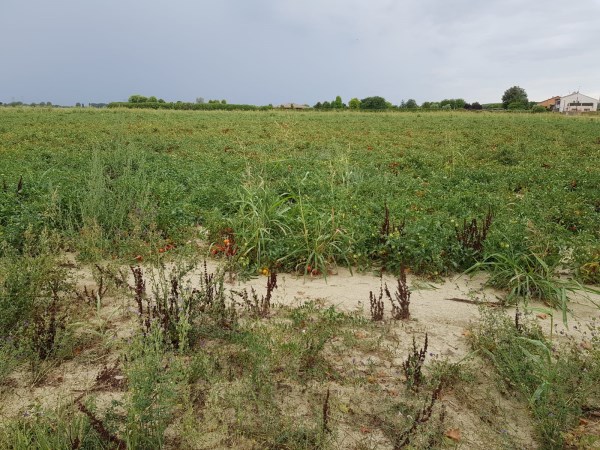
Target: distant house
point(577, 102)
point(293, 106)
point(551, 104)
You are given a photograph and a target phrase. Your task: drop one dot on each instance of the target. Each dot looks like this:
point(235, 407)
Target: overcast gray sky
point(275, 51)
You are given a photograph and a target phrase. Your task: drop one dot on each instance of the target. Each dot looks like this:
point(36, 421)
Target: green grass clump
point(558, 381)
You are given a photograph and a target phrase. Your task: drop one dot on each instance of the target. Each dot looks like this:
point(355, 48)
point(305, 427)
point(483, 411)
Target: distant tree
point(447, 102)
point(354, 103)
point(326, 105)
point(516, 105)
point(377, 103)
point(223, 102)
point(152, 99)
point(459, 103)
point(411, 103)
point(515, 98)
point(160, 100)
point(337, 103)
point(199, 100)
point(137, 99)
point(476, 106)
point(467, 106)
point(402, 104)
point(318, 105)
point(78, 105)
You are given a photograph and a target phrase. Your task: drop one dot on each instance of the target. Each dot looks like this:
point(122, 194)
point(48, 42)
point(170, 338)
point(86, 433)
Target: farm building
point(551, 104)
point(577, 102)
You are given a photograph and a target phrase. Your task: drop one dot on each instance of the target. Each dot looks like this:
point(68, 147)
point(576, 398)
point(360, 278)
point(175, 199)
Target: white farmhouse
point(577, 102)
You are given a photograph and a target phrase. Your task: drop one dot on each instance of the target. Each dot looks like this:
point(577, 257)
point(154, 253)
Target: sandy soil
point(444, 310)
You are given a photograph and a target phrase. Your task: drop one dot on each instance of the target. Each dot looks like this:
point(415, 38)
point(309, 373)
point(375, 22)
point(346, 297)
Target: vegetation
point(515, 98)
point(104, 214)
point(549, 375)
point(319, 201)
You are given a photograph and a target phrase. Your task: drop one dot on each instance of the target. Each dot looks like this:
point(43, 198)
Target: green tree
point(337, 103)
point(136, 98)
point(515, 98)
point(446, 102)
point(411, 103)
point(152, 99)
point(459, 103)
point(354, 103)
point(376, 103)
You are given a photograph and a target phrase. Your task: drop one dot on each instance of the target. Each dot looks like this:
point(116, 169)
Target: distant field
point(306, 189)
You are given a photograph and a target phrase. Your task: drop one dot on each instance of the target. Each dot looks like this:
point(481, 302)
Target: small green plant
point(152, 390)
point(262, 218)
point(321, 241)
point(61, 428)
point(527, 276)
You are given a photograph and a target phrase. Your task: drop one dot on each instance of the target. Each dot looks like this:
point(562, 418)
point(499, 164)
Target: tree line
point(380, 103)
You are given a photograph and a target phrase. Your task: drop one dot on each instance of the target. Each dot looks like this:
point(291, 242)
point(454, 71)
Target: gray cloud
point(273, 51)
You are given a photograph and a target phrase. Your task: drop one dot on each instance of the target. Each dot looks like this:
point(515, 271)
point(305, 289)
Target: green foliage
point(337, 103)
point(354, 103)
point(454, 103)
point(538, 109)
point(152, 391)
point(115, 203)
point(212, 105)
point(515, 98)
point(138, 99)
point(528, 276)
point(373, 103)
point(411, 103)
point(27, 280)
point(63, 428)
point(548, 375)
point(168, 173)
point(262, 218)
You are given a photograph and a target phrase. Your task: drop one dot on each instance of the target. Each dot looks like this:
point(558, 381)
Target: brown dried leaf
point(454, 434)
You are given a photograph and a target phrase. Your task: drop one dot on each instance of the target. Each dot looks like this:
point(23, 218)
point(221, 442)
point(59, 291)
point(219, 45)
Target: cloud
point(273, 51)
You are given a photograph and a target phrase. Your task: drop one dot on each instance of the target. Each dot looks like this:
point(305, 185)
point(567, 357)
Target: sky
point(302, 51)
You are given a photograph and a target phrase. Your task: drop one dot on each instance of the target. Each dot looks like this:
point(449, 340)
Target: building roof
point(549, 101)
point(580, 95)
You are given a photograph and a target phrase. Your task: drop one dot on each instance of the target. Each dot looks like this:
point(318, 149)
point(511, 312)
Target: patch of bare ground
point(353, 388)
